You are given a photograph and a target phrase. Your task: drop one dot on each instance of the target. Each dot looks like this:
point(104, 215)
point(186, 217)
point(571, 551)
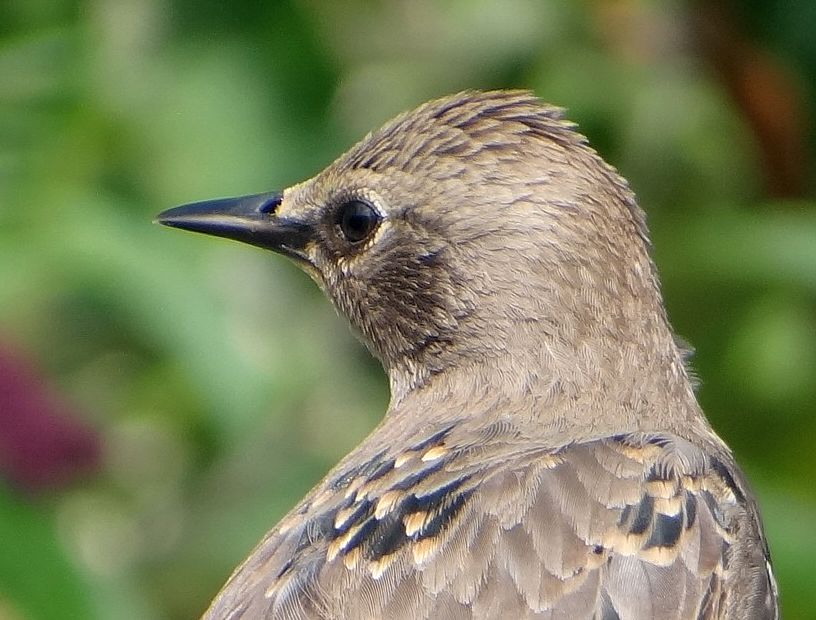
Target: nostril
point(268, 207)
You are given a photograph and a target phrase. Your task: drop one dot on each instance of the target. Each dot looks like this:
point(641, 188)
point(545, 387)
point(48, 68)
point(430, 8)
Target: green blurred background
point(165, 398)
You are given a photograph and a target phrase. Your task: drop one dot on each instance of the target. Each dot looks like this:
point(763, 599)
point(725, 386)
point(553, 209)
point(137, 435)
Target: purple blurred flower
point(43, 442)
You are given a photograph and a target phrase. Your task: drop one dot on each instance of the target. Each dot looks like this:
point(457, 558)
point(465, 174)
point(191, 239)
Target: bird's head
point(476, 227)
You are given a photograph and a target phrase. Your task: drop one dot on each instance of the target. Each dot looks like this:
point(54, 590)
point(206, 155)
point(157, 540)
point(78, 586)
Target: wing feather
point(638, 526)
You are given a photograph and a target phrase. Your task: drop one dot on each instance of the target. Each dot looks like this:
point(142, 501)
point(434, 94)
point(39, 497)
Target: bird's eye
point(357, 220)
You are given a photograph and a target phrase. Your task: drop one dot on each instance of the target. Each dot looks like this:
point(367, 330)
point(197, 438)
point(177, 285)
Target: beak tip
point(171, 217)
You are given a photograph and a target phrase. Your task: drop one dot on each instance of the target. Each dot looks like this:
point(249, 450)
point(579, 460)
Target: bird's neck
point(567, 339)
point(559, 383)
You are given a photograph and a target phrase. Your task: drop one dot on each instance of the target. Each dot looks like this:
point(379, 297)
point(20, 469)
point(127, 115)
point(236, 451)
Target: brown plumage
point(543, 454)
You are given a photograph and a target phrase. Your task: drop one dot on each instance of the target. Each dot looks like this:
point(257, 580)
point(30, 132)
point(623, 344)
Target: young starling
point(543, 454)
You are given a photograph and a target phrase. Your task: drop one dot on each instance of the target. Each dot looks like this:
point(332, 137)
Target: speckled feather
point(543, 455)
point(632, 526)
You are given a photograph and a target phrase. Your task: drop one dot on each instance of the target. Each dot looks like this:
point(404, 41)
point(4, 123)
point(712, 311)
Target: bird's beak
point(249, 219)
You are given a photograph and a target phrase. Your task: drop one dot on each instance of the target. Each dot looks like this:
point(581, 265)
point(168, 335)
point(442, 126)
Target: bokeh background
point(165, 398)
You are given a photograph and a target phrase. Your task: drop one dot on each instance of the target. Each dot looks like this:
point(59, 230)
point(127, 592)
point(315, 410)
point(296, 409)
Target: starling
point(543, 454)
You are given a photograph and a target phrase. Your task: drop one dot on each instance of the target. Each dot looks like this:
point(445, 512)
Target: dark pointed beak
point(249, 219)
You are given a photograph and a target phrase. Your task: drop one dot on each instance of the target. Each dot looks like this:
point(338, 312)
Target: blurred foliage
point(218, 379)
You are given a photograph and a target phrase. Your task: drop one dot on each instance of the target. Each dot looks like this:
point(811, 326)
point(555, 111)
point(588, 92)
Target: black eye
point(357, 220)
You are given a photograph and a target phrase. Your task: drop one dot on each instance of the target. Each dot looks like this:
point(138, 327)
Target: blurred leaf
point(36, 579)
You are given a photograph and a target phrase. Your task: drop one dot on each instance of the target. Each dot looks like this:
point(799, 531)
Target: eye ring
point(357, 220)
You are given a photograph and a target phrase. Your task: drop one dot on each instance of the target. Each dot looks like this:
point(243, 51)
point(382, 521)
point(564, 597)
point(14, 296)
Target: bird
point(543, 454)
